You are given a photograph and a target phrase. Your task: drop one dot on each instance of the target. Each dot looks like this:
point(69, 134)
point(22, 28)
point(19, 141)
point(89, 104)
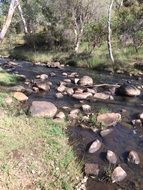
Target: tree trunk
point(110, 31)
point(77, 44)
point(12, 7)
point(22, 17)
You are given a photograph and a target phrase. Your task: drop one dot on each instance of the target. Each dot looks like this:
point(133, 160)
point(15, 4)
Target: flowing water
point(123, 137)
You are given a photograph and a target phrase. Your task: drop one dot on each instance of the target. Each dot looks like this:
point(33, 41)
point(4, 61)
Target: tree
point(12, 7)
point(110, 31)
point(22, 17)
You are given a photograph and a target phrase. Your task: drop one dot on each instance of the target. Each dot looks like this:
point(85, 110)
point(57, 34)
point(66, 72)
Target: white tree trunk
point(77, 45)
point(12, 7)
point(22, 17)
point(121, 3)
point(110, 31)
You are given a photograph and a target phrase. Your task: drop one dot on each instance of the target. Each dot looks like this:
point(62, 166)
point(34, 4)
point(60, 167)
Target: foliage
point(128, 22)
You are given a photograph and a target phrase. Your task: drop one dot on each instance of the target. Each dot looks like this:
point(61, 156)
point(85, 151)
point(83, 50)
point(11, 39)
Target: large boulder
point(43, 109)
point(108, 119)
point(85, 81)
point(128, 90)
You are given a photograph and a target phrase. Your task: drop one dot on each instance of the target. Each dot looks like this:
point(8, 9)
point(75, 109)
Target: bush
point(47, 40)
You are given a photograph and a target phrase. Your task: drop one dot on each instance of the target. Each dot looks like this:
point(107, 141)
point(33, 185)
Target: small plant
point(104, 110)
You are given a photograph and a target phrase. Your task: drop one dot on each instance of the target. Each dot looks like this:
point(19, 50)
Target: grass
point(35, 154)
point(38, 55)
point(3, 96)
point(7, 79)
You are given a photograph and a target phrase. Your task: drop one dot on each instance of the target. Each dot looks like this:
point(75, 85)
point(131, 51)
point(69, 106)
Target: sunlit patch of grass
point(38, 55)
point(3, 96)
point(8, 79)
point(36, 149)
point(103, 110)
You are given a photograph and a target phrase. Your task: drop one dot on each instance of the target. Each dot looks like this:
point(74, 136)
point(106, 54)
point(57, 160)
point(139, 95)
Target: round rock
point(91, 169)
point(111, 157)
point(20, 96)
point(109, 119)
point(43, 109)
point(95, 146)
point(85, 81)
point(128, 90)
point(133, 157)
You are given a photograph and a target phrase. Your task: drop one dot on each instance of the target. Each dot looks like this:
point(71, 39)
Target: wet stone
point(91, 169)
point(86, 107)
point(81, 96)
point(128, 90)
point(137, 123)
point(61, 88)
point(141, 116)
point(70, 91)
point(42, 77)
point(52, 74)
point(133, 157)
point(95, 146)
point(111, 157)
point(118, 174)
point(60, 115)
point(106, 132)
point(102, 96)
point(59, 95)
point(43, 86)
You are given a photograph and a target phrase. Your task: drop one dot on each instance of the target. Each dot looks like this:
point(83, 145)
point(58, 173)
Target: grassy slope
point(34, 152)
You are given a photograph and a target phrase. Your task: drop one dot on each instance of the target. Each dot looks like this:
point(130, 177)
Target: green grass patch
point(34, 149)
point(3, 96)
point(8, 79)
point(37, 55)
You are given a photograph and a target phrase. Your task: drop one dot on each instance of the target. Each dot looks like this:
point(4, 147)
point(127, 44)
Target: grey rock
point(133, 157)
point(118, 174)
point(82, 96)
point(59, 95)
point(42, 85)
point(91, 169)
point(111, 157)
point(128, 90)
point(85, 81)
point(43, 109)
point(60, 115)
point(106, 132)
point(109, 119)
point(95, 146)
